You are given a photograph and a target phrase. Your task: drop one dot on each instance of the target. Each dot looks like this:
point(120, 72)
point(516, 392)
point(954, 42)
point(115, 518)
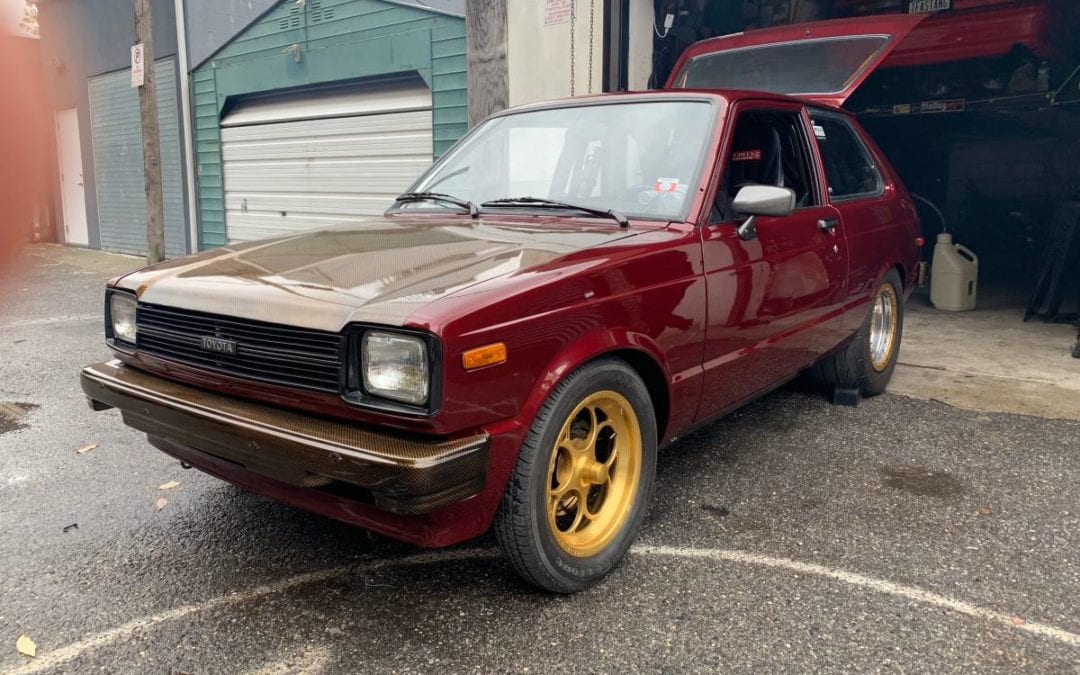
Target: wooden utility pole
point(488, 73)
point(151, 137)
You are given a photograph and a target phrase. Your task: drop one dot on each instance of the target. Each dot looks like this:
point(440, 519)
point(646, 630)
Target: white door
point(314, 159)
point(72, 192)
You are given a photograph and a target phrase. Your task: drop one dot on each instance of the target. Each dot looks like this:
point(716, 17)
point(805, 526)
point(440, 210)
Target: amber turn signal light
point(488, 355)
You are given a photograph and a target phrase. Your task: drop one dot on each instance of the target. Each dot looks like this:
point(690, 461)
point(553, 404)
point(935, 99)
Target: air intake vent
point(318, 13)
point(291, 21)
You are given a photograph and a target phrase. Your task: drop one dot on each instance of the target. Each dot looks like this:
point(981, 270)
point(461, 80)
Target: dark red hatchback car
point(573, 286)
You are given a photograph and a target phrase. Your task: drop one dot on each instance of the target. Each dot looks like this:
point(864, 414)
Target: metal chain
point(573, 20)
point(592, 35)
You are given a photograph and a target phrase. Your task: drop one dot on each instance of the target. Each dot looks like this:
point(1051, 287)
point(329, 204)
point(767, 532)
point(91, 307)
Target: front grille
point(267, 352)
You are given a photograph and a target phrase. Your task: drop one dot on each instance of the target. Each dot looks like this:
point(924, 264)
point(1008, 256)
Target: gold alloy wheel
point(884, 327)
point(593, 474)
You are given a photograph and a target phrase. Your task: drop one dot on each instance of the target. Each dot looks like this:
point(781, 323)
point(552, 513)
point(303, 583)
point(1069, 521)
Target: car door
point(775, 302)
point(856, 188)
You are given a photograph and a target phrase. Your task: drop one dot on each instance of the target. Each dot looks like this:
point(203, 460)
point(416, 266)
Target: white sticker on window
point(819, 131)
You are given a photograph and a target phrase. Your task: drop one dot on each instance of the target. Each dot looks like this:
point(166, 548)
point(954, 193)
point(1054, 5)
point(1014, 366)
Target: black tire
point(521, 525)
point(852, 366)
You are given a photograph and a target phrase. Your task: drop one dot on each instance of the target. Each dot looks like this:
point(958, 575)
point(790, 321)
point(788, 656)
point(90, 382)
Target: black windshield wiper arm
point(438, 197)
point(553, 204)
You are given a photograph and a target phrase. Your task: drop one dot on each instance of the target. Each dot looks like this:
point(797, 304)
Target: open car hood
point(822, 61)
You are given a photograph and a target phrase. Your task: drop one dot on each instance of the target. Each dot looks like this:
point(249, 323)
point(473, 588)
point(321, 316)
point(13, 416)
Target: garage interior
point(991, 146)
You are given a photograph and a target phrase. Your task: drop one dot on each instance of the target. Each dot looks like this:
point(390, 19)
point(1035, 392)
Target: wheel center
point(593, 473)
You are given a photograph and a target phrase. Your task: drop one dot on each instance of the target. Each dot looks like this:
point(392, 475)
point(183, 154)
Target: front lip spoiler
point(403, 474)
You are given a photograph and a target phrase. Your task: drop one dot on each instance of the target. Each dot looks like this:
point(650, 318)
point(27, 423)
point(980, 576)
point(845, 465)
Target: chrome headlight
point(122, 316)
point(396, 367)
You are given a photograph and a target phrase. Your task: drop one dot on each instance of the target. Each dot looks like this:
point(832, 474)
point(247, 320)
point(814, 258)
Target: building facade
point(376, 89)
point(323, 111)
point(85, 49)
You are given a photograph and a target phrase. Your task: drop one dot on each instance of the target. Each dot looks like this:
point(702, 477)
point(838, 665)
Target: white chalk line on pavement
point(126, 630)
point(913, 593)
point(871, 583)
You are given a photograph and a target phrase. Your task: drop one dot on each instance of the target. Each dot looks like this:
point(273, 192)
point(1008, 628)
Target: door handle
point(828, 224)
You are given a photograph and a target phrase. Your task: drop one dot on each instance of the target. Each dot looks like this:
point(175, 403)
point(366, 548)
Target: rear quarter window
point(850, 169)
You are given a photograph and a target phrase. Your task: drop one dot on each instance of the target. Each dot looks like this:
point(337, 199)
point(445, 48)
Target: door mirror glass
point(764, 200)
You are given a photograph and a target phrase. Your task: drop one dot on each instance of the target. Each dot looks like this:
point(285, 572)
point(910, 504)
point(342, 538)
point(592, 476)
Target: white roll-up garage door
point(306, 161)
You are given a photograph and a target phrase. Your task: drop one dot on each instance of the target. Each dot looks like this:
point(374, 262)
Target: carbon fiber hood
point(378, 271)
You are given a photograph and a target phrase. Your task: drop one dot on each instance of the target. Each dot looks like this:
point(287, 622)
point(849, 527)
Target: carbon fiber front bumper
point(399, 474)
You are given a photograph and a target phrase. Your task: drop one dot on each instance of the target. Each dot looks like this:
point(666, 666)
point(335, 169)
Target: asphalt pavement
point(792, 536)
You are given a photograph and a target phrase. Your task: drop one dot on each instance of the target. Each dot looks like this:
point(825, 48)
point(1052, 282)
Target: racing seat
point(755, 157)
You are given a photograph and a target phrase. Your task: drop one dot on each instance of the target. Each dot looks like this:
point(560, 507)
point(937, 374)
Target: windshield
point(821, 66)
point(640, 159)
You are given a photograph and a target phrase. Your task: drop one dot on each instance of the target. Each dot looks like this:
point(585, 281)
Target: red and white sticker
point(746, 156)
point(666, 185)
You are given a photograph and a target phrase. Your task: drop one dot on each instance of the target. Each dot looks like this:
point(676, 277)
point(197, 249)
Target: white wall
point(538, 58)
point(639, 64)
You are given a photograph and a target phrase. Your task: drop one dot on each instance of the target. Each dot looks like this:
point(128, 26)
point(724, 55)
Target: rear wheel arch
point(852, 366)
point(903, 275)
point(890, 264)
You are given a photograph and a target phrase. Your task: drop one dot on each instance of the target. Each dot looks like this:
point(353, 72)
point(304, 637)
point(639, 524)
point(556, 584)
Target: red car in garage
point(573, 286)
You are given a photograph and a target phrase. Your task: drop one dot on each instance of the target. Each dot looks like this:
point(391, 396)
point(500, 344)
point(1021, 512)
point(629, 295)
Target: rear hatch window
point(824, 61)
point(825, 66)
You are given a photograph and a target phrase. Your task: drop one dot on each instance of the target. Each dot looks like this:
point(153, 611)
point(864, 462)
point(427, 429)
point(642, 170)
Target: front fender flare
point(583, 350)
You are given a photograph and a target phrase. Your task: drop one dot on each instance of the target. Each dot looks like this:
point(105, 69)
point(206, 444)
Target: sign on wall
point(137, 66)
point(557, 11)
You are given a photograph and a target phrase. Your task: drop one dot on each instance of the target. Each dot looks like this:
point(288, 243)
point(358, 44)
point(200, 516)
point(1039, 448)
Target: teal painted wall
point(338, 40)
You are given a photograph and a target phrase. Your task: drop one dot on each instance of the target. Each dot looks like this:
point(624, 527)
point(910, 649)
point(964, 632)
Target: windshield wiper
point(438, 197)
point(553, 204)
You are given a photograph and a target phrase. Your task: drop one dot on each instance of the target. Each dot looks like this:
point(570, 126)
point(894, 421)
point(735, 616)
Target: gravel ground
point(898, 536)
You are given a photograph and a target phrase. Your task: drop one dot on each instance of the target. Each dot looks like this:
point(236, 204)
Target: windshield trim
point(713, 101)
point(855, 74)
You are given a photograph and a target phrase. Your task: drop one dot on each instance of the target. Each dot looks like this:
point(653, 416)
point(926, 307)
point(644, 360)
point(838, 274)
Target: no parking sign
point(137, 70)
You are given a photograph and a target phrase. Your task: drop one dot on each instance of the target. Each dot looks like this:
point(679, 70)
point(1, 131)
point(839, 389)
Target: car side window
point(768, 147)
point(849, 168)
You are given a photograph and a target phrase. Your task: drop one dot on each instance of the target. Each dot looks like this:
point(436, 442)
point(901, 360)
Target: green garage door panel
point(118, 160)
point(309, 44)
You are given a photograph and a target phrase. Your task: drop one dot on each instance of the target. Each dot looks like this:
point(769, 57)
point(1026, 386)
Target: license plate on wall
point(926, 6)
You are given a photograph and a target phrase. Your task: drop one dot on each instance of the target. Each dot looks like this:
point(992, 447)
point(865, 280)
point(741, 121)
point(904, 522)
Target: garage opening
point(978, 108)
point(314, 158)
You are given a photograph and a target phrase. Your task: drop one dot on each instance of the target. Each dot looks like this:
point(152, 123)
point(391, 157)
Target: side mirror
point(761, 200)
